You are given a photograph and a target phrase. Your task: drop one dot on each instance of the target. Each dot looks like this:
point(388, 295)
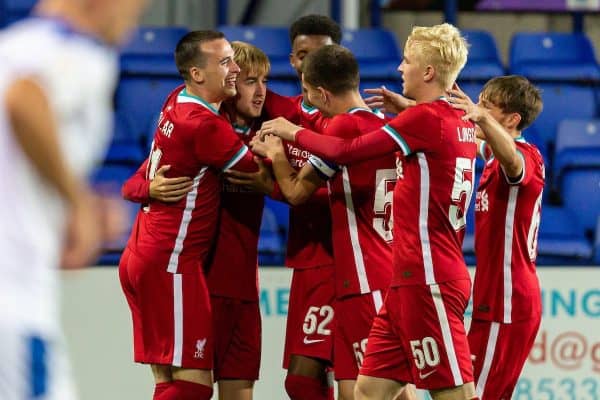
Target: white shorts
point(34, 366)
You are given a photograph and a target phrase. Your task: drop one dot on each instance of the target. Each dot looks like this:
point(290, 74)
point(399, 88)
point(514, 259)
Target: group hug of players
point(378, 189)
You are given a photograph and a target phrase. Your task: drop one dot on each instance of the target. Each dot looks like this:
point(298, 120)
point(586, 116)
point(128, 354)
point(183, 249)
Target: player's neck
point(429, 93)
point(198, 91)
point(348, 101)
point(515, 134)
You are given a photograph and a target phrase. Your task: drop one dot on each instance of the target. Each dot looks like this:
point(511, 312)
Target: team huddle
point(378, 190)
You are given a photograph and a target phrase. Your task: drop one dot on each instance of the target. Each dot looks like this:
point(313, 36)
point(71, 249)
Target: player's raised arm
point(338, 150)
point(500, 141)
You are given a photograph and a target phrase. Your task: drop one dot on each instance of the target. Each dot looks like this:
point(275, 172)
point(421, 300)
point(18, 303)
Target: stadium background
point(559, 57)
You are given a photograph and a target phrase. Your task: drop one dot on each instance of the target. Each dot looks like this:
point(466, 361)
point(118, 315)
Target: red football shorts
point(172, 322)
point(499, 354)
point(310, 314)
point(419, 336)
point(237, 333)
point(354, 317)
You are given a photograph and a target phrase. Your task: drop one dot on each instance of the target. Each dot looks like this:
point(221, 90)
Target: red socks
point(304, 388)
point(183, 390)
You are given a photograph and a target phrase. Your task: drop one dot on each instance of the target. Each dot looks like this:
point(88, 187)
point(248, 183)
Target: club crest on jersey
point(481, 201)
point(200, 343)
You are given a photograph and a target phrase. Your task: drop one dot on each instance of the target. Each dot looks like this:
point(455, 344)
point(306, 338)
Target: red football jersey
point(309, 238)
point(507, 217)
point(361, 209)
point(431, 196)
point(233, 271)
point(197, 142)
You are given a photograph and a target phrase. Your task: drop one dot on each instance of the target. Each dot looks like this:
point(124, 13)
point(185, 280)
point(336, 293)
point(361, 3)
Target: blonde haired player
point(418, 336)
point(57, 77)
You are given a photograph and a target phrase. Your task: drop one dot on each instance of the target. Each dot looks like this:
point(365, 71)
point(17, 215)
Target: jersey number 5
point(385, 179)
point(461, 193)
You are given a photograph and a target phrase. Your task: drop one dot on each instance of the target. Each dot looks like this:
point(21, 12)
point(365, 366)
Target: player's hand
point(387, 101)
point(260, 181)
point(268, 147)
point(279, 127)
point(169, 190)
point(458, 99)
point(83, 234)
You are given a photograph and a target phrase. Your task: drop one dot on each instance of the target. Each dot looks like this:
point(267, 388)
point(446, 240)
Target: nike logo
point(311, 341)
point(423, 376)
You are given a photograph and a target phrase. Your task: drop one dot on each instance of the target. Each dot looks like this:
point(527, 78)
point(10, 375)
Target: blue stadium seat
point(270, 245)
point(376, 51)
point(577, 145)
point(553, 56)
point(13, 10)
point(281, 211)
point(141, 98)
point(596, 259)
point(274, 41)
point(151, 50)
point(483, 62)
point(561, 238)
point(285, 87)
point(580, 192)
point(111, 177)
point(563, 101)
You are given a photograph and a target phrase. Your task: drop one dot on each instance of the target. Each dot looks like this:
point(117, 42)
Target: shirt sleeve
point(277, 105)
point(528, 168)
point(345, 150)
point(137, 187)
point(217, 145)
point(416, 129)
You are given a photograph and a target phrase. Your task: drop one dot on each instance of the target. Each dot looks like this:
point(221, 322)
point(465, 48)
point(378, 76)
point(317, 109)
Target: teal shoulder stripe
point(199, 100)
point(237, 157)
point(398, 139)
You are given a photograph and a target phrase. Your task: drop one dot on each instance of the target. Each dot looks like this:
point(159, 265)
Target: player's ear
point(197, 74)
point(514, 120)
point(324, 94)
point(428, 73)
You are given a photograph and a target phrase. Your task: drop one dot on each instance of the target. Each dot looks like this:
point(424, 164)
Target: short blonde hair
point(441, 46)
point(250, 58)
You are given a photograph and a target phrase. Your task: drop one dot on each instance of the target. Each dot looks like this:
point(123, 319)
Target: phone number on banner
point(558, 389)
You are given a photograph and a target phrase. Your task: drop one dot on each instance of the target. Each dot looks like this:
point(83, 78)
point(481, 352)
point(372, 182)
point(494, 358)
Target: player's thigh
point(385, 357)
point(237, 334)
point(355, 316)
point(499, 354)
point(346, 389)
point(429, 320)
point(310, 315)
point(201, 376)
point(465, 391)
point(369, 387)
point(175, 326)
